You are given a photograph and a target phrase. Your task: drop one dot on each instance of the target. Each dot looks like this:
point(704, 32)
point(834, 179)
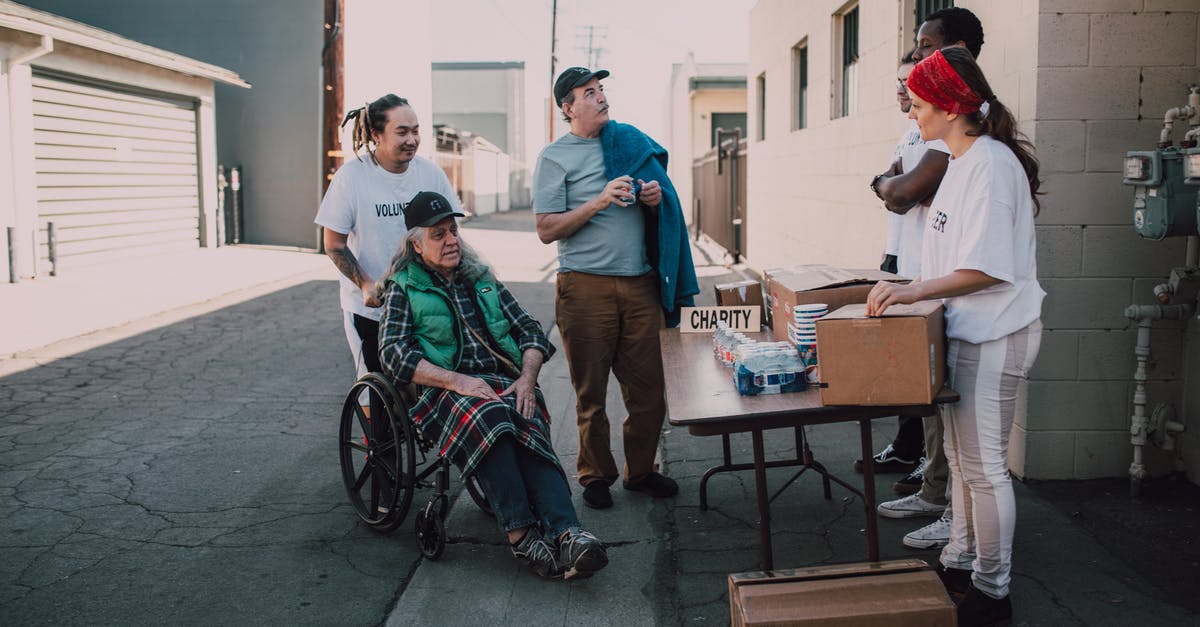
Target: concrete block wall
point(1106, 72)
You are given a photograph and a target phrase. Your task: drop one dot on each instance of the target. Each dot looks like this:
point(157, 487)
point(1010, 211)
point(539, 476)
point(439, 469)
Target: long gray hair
point(471, 267)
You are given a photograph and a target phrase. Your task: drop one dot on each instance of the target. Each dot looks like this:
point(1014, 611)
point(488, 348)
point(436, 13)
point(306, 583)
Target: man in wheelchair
point(450, 327)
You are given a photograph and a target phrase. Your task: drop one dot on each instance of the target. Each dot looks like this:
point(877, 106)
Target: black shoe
point(655, 484)
point(580, 554)
point(911, 483)
point(980, 610)
point(888, 460)
point(597, 496)
point(956, 580)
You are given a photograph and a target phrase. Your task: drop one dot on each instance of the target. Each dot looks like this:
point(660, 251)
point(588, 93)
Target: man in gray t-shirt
point(607, 300)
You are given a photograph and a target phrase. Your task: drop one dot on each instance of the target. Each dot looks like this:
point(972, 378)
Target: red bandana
point(934, 80)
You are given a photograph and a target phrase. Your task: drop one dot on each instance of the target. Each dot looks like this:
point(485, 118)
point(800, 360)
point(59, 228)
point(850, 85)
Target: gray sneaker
point(935, 535)
point(580, 554)
point(911, 506)
point(534, 552)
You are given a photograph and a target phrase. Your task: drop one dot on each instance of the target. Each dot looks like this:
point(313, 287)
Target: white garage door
point(116, 172)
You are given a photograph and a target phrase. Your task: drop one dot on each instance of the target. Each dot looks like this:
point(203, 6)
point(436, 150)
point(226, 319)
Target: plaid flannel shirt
point(400, 353)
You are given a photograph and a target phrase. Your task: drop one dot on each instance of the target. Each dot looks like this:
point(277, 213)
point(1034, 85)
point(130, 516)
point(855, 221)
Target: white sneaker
point(911, 506)
point(935, 535)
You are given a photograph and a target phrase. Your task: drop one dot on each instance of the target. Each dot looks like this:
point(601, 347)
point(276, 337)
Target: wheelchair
point(380, 451)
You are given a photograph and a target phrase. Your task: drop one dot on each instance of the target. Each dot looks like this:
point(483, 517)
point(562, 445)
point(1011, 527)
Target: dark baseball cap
point(427, 209)
point(573, 77)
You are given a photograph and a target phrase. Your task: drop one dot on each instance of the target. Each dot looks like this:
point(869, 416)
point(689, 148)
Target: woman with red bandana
point(979, 258)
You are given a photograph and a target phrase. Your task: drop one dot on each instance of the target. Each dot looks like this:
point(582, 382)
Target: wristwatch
point(875, 183)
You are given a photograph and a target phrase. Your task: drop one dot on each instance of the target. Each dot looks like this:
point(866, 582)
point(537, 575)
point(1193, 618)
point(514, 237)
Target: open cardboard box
point(896, 359)
point(899, 593)
point(741, 293)
point(799, 285)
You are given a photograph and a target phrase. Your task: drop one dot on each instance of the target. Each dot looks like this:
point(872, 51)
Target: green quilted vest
point(437, 327)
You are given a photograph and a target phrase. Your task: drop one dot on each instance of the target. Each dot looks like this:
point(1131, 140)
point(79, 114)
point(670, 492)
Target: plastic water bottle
point(746, 367)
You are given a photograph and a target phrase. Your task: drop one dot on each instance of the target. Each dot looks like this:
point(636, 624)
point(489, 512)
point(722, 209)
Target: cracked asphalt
point(188, 474)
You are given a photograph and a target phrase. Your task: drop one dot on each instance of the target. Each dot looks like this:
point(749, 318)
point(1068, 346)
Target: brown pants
point(611, 323)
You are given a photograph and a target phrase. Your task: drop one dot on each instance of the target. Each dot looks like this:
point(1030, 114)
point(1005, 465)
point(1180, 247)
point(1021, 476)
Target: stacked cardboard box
point(896, 359)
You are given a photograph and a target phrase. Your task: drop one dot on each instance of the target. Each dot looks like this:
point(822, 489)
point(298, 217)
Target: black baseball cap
point(573, 77)
point(427, 209)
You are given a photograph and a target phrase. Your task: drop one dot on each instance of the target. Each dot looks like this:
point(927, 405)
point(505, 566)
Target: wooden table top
point(701, 394)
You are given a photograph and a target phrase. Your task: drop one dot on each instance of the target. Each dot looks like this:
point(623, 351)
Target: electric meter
point(1164, 205)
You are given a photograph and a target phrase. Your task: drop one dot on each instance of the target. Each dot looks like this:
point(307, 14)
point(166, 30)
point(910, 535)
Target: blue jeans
point(524, 489)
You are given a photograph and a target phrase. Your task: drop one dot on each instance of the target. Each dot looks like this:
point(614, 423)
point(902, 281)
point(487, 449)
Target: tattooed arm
point(347, 264)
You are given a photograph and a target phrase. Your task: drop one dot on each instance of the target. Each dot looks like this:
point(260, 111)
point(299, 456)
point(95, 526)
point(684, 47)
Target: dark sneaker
point(597, 496)
point(911, 483)
point(580, 554)
point(888, 460)
point(654, 484)
point(956, 580)
point(978, 609)
point(534, 552)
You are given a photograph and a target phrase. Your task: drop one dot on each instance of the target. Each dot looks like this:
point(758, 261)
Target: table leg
point(728, 465)
point(869, 490)
point(764, 504)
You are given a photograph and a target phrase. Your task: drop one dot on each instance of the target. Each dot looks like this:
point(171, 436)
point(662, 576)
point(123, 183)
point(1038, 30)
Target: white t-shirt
point(982, 219)
point(366, 202)
point(905, 232)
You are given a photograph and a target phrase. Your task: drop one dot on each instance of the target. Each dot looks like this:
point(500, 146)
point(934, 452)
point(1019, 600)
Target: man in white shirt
point(363, 213)
point(907, 189)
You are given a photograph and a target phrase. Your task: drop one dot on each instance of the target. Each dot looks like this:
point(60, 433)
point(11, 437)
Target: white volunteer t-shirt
point(366, 202)
point(908, 230)
point(982, 219)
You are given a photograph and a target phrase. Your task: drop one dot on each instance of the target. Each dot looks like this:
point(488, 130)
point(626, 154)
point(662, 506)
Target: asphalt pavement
point(175, 461)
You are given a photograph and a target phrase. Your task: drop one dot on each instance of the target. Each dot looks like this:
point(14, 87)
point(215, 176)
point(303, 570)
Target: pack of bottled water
point(759, 367)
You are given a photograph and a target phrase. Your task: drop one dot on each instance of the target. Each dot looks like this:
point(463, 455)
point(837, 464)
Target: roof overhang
point(21, 18)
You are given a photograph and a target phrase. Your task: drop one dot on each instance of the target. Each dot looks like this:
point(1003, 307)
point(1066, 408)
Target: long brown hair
point(371, 118)
point(999, 123)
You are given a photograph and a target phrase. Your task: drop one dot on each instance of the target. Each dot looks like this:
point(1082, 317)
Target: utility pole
point(588, 40)
point(332, 63)
point(552, 108)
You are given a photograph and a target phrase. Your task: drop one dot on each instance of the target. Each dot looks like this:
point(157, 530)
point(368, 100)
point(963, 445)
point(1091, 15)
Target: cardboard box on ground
point(900, 593)
point(896, 359)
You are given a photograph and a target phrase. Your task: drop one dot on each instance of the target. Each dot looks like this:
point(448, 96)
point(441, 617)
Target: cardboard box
point(896, 359)
point(741, 293)
point(797, 285)
point(901, 593)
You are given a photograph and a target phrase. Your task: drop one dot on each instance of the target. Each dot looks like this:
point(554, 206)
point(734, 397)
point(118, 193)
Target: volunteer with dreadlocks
point(363, 212)
point(979, 258)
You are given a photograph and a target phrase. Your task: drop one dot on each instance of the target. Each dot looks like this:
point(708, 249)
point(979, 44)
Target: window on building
point(727, 122)
point(800, 85)
point(845, 92)
point(760, 91)
point(925, 7)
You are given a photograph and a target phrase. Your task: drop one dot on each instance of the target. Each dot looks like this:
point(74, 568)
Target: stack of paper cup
point(803, 331)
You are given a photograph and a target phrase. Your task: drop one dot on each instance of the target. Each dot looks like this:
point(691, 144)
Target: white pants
point(991, 380)
point(355, 342)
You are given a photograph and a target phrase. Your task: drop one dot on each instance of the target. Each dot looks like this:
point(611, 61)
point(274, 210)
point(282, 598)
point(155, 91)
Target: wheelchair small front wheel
point(431, 533)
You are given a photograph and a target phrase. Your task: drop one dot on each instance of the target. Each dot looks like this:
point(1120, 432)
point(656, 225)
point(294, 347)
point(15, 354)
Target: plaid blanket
point(465, 427)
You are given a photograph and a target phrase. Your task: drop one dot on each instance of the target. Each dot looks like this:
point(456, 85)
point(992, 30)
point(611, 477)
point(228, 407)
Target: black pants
point(368, 332)
point(910, 438)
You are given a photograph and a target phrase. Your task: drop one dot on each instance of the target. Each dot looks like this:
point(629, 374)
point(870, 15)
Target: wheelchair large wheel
point(477, 495)
point(377, 452)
